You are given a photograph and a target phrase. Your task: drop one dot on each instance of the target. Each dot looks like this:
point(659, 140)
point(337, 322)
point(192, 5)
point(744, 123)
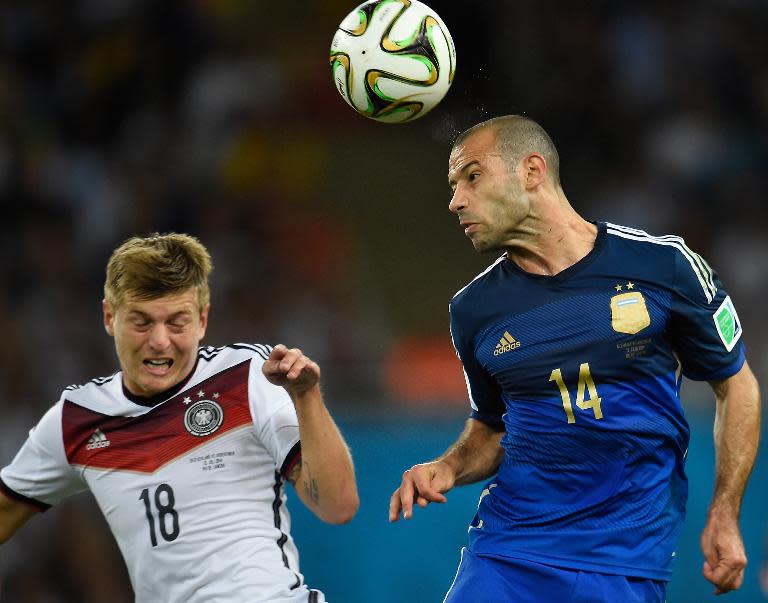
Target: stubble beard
point(483, 245)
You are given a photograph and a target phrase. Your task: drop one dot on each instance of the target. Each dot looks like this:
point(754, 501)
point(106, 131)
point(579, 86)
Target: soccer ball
point(392, 60)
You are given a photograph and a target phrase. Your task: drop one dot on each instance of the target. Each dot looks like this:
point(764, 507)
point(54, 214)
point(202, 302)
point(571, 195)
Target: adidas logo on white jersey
point(97, 440)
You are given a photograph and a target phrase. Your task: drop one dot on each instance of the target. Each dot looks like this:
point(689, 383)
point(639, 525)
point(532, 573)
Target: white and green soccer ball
point(393, 60)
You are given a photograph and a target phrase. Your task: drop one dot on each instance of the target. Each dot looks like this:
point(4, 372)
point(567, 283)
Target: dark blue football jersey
point(583, 371)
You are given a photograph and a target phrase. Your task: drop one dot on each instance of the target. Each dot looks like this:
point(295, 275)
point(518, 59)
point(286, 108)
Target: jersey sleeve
point(40, 474)
point(705, 328)
point(274, 418)
point(484, 394)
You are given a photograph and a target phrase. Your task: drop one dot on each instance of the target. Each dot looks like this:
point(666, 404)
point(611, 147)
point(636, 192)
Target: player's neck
point(554, 244)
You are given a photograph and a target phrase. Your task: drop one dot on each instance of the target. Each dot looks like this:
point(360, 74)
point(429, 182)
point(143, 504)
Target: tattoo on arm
point(311, 489)
point(310, 486)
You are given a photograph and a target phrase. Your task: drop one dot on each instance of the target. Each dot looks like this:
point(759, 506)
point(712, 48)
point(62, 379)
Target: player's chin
point(154, 387)
point(484, 246)
point(154, 384)
point(477, 242)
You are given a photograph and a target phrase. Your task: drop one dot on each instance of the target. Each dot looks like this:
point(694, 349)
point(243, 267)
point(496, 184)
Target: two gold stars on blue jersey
point(629, 313)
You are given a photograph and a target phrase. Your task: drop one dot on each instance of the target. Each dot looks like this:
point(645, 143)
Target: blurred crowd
point(218, 117)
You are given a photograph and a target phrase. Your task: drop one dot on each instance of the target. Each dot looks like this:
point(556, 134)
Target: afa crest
point(629, 314)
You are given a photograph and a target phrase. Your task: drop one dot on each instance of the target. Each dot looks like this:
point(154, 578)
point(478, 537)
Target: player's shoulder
point(95, 384)
point(236, 352)
point(668, 252)
point(99, 388)
point(101, 394)
point(216, 360)
point(479, 285)
point(670, 246)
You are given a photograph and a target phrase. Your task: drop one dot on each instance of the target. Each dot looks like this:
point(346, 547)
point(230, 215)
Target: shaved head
point(516, 137)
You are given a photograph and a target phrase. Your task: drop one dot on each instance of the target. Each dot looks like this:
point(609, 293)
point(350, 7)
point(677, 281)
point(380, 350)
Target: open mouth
point(158, 365)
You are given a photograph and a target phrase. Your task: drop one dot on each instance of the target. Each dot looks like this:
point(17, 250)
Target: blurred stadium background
point(330, 232)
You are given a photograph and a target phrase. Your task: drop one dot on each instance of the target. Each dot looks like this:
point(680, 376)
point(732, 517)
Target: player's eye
point(178, 325)
point(473, 176)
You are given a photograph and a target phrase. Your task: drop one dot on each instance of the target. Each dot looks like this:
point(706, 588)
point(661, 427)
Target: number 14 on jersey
point(586, 383)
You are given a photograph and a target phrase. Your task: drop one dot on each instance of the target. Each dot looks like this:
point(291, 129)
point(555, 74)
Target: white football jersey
point(192, 487)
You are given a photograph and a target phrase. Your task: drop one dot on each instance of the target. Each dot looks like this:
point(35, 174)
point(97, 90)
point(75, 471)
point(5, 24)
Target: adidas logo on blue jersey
point(97, 440)
point(506, 343)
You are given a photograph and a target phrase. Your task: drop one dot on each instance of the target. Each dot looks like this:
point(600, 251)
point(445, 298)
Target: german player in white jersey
point(187, 448)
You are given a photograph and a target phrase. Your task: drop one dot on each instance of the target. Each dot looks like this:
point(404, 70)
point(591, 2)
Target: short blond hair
point(158, 265)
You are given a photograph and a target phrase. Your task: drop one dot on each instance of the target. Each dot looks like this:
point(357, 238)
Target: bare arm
point(325, 477)
point(737, 432)
point(13, 515)
point(476, 455)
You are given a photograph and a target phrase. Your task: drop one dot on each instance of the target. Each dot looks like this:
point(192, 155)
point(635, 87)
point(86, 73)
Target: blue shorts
point(484, 579)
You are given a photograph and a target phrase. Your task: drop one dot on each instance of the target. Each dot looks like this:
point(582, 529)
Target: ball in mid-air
point(393, 60)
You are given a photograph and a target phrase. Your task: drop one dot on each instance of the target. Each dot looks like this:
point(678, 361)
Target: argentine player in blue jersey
point(574, 343)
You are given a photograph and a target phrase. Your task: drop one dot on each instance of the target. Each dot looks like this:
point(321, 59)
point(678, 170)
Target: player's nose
point(159, 338)
point(458, 201)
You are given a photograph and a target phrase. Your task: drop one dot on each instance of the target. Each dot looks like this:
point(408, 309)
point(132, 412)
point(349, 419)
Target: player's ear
point(535, 170)
point(204, 320)
point(109, 317)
